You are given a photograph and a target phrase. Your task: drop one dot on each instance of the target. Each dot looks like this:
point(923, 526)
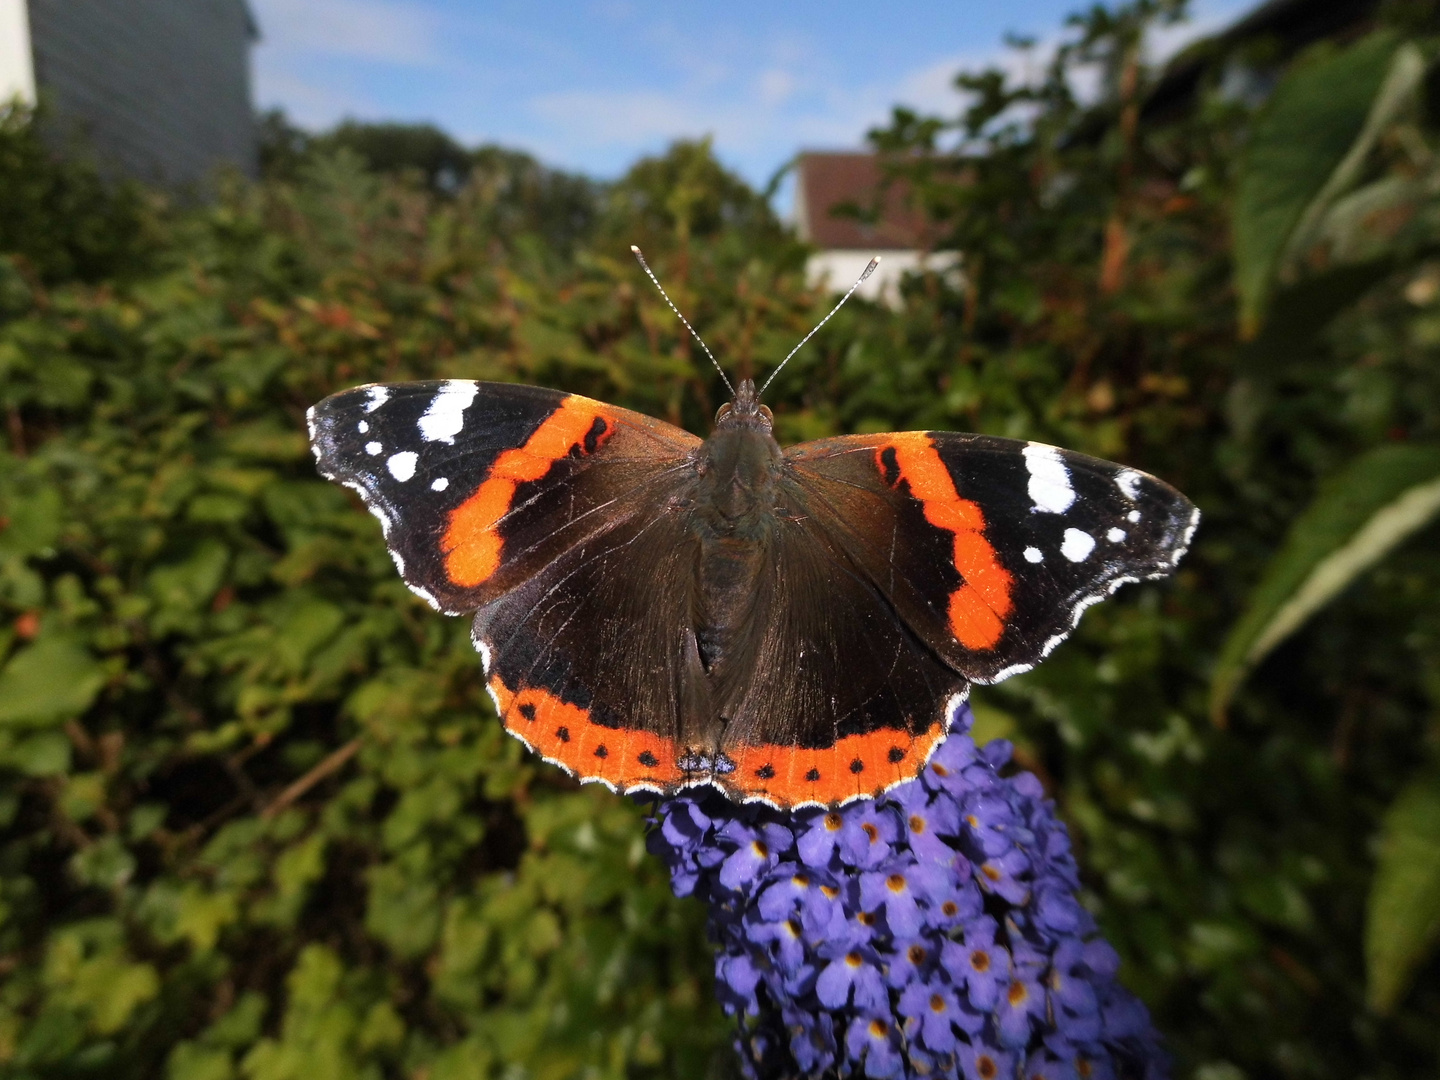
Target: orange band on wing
point(979, 606)
point(471, 543)
point(857, 766)
point(564, 734)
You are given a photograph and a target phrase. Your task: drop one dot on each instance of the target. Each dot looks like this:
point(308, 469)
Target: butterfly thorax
point(733, 516)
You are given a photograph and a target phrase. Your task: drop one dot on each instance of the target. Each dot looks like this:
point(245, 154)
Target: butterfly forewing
point(479, 485)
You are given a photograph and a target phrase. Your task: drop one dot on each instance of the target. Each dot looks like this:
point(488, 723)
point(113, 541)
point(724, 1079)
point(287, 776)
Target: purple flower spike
point(932, 1010)
point(928, 821)
point(873, 1038)
point(890, 888)
point(851, 968)
point(869, 832)
point(757, 850)
point(1021, 1001)
point(978, 962)
point(981, 1062)
point(931, 932)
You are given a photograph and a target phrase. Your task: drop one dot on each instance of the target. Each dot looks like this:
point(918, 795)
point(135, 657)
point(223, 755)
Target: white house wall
point(839, 268)
point(17, 69)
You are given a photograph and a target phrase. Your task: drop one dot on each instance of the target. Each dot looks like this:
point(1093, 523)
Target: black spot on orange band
point(564, 733)
point(788, 776)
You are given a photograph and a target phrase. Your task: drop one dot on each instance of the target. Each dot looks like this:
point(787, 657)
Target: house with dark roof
point(157, 90)
point(843, 208)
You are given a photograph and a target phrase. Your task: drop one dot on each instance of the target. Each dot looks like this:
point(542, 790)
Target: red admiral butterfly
point(795, 626)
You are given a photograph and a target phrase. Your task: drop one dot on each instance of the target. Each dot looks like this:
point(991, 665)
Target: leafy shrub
point(60, 216)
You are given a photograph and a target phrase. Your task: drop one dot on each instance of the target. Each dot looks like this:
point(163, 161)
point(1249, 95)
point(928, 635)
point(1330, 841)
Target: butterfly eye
point(724, 412)
point(766, 413)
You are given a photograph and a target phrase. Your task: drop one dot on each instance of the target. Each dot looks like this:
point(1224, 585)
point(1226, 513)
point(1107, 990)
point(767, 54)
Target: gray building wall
point(159, 89)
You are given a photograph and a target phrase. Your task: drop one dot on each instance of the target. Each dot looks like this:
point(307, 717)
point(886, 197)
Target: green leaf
point(1357, 518)
point(190, 584)
point(1297, 142)
point(1327, 218)
point(1403, 920)
point(32, 520)
point(53, 680)
point(1300, 313)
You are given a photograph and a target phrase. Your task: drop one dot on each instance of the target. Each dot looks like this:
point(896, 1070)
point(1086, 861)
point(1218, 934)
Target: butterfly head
point(745, 411)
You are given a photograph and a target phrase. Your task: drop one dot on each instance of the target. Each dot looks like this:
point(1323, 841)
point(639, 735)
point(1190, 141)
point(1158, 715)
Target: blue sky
point(593, 84)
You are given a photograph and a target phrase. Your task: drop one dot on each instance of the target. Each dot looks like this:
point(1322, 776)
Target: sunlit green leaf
point(1324, 218)
point(1359, 516)
point(1296, 143)
point(1402, 923)
point(53, 680)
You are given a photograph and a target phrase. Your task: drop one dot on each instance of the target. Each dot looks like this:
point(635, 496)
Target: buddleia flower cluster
point(932, 932)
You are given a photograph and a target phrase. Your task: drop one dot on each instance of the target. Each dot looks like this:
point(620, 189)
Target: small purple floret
point(932, 932)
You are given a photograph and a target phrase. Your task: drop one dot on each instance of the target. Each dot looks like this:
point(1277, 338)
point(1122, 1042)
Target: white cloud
point(775, 86)
point(387, 31)
point(308, 103)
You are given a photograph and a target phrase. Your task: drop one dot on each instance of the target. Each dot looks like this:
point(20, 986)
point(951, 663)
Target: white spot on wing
point(402, 465)
point(1034, 555)
point(1133, 517)
point(1077, 545)
point(445, 415)
point(1128, 481)
point(373, 448)
point(440, 483)
point(1115, 535)
point(1049, 485)
point(363, 427)
point(375, 397)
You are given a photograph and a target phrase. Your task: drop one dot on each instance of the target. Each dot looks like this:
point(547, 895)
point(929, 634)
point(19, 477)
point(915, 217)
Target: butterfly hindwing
point(587, 659)
point(830, 697)
point(479, 485)
point(991, 548)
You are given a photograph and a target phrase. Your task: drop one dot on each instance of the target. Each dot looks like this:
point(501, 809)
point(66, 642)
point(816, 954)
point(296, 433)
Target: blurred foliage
point(64, 222)
point(256, 817)
point(525, 200)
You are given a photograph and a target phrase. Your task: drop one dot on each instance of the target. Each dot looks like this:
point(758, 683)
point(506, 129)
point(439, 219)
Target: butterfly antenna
point(651, 275)
point(870, 269)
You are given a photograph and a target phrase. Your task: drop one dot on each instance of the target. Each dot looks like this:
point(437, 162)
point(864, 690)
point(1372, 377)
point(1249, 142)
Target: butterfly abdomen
point(733, 516)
